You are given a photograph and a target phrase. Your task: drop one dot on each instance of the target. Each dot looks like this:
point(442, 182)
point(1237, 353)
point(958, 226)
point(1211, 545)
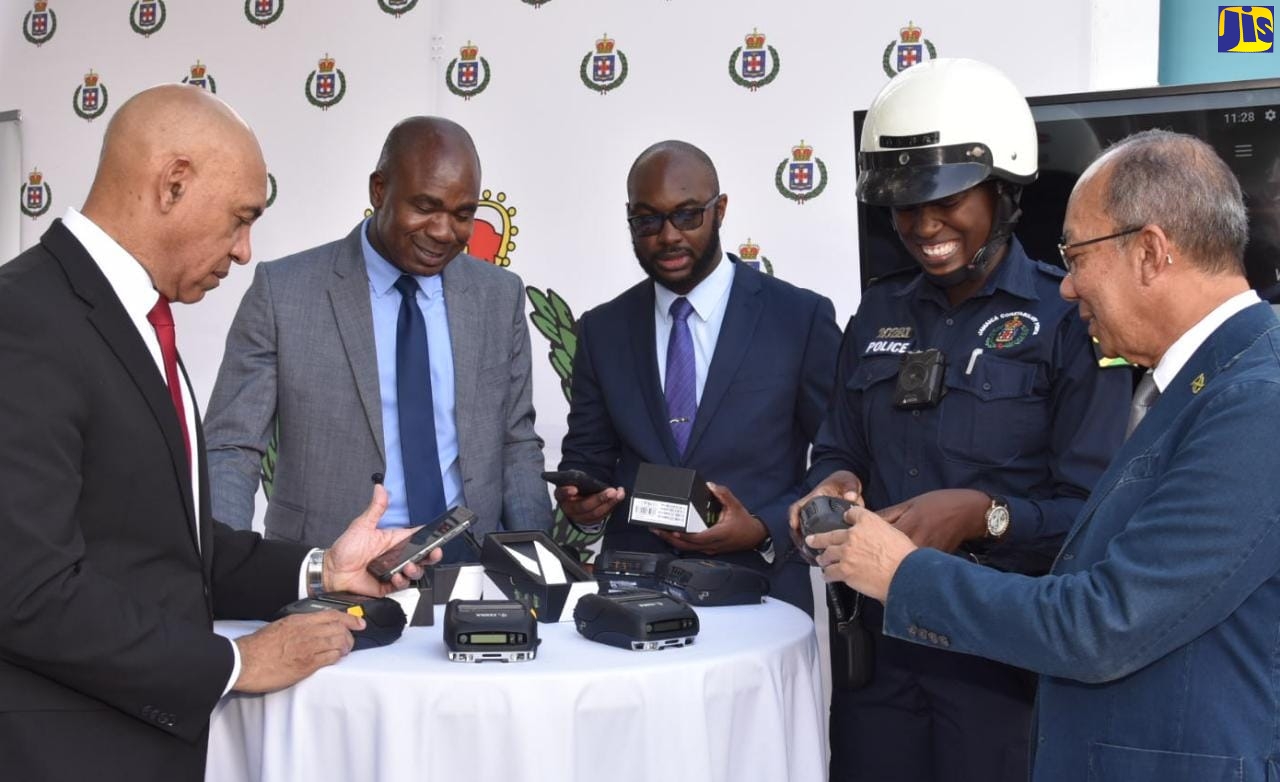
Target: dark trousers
point(929, 715)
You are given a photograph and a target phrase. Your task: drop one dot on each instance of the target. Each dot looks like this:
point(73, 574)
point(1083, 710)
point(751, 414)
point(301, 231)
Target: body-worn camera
point(920, 379)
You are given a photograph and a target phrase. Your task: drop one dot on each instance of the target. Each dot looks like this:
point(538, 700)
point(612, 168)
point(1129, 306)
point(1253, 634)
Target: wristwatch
point(315, 572)
point(765, 549)
point(997, 517)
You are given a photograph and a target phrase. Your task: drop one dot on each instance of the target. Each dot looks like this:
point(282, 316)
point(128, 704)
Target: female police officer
point(970, 411)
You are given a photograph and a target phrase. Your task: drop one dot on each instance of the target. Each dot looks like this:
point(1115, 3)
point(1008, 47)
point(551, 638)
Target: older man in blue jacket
point(1157, 634)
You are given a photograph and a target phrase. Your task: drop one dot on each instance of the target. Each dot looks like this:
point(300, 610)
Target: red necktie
point(161, 320)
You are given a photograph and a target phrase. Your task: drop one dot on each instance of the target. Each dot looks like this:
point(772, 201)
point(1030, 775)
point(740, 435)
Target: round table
point(744, 702)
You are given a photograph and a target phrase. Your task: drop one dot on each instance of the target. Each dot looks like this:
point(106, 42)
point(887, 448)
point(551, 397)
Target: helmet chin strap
point(1006, 217)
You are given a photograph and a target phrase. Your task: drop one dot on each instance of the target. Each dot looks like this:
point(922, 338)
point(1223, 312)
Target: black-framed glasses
point(1067, 263)
point(686, 218)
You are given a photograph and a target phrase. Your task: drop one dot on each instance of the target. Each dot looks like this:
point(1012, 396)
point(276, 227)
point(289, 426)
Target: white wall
point(558, 151)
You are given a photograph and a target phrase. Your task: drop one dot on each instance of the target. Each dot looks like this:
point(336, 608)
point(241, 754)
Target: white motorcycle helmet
point(941, 127)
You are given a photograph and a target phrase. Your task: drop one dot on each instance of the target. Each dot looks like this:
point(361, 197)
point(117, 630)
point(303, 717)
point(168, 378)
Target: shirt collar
point(126, 275)
point(1180, 352)
point(1015, 275)
point(383, 274)
point(705, 297)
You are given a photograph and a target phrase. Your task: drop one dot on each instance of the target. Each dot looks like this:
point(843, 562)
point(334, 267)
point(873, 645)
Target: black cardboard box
point(671, 498)
point(551, 602)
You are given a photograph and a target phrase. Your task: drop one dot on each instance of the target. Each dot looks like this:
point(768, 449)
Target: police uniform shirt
point(1027, 414)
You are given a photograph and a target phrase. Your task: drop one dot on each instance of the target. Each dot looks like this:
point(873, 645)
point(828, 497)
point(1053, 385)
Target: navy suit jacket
point(765, 395)
point(1157, 635)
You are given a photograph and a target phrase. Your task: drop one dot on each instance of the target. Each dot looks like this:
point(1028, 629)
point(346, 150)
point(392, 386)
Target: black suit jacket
point(108, 663)
point(765, 395)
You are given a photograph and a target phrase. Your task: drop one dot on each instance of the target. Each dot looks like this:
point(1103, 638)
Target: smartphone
point(584, 483)
point(423, 542)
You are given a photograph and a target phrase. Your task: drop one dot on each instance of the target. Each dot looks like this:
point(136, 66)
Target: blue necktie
point(681, 387)
point(418, 451)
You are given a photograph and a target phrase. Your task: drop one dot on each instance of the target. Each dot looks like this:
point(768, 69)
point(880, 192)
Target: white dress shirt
point(1180, 352)
point(709, 299)
point(132, 285)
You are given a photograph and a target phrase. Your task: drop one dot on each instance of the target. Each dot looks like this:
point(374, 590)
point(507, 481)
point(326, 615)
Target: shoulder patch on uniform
point(1057, 272)
point(896, 274)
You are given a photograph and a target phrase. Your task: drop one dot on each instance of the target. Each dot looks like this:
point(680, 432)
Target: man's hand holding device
point(424, 542)
point(291, 649)
point(585, 500)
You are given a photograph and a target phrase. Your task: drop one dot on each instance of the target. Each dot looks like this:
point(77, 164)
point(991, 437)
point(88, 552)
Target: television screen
point(1241, 120)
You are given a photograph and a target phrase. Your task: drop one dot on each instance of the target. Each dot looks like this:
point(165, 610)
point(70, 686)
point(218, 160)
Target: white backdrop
point(556, 150)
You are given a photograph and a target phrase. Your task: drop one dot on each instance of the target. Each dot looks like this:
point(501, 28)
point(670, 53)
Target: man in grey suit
point(344, 347)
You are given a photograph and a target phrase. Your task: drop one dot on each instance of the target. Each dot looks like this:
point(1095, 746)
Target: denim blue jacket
point(1157, 635)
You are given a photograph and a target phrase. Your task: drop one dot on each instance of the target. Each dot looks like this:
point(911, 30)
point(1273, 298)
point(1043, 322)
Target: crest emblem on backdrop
point(199, 76)
point(40, 23)
point(604, 69)
point(397, 7)
point(468, 75)
point(750, 255)
point(535, 3)
point(754, 65)
point(908, 50)
point(90, 98)
point(263, 12)
point(36, 196)
point(491, 239)
point(147, 17)
point(272, 190)
point(326, 85)
point(802, 176)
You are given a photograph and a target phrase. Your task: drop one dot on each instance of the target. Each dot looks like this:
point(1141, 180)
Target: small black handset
point(423, 542)
point(585, 484)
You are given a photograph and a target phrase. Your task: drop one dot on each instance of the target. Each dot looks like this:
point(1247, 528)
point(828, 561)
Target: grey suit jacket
point(301, 350)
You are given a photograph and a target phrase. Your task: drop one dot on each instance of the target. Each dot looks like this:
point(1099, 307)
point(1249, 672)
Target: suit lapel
point(1210, 360)
point(109, 319)
point(644, 356)
point(465, 313)
point(349, 298)
point(742, 313)
point(205, 509)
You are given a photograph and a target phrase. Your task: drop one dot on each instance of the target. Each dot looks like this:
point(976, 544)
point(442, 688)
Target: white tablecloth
point(744, 702)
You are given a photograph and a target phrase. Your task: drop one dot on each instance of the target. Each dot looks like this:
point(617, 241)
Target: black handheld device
point(820, 514)
point(621, 570)
point(712, 582)
point(585, 484)
point(482, 630)
point(422, 543)
point(384, 619)
point(639, 620)
point(852, 646)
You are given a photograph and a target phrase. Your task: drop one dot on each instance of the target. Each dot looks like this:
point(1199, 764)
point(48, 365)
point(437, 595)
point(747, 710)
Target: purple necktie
point(682, 374)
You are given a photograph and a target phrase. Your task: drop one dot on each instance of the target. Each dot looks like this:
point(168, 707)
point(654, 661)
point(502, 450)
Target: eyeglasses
point(685, 219)
point(1067, 263)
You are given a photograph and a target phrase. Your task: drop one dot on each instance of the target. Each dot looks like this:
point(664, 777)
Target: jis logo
point(1246, 28)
